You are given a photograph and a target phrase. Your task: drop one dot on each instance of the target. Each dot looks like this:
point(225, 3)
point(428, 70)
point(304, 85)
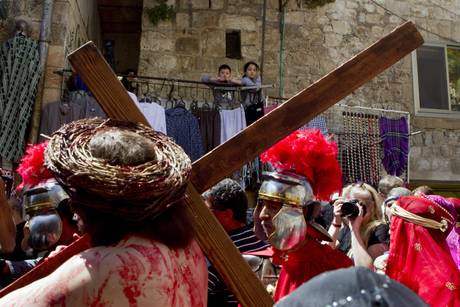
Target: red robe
point(419, 256)
point(310, 260)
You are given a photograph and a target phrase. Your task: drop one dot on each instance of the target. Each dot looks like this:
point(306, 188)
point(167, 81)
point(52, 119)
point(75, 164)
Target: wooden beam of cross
point(245, 146)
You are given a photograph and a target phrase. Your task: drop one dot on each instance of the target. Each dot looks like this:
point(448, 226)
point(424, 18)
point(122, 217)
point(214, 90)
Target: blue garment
point(183, 127)
point(319, 122)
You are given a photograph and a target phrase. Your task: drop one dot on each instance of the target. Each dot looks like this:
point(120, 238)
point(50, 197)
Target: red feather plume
point(32, 167)
point(308, 153)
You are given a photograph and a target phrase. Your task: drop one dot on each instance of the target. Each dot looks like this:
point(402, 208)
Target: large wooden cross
point(245, 146)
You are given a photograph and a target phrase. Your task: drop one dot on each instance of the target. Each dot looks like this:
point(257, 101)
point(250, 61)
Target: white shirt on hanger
point(155, 115)
point(231, 122)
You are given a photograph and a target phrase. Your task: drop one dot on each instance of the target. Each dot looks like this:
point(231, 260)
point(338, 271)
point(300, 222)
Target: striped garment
point(246, 241)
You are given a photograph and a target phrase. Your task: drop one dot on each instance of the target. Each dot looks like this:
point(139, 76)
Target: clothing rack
point(191, 90)
point(356, 129)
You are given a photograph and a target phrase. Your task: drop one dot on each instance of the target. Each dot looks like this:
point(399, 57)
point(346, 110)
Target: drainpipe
point(262, 55)
point(282, 34)
point(43, 45)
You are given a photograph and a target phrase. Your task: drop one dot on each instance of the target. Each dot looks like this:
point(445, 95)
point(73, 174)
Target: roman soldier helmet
point(42, 196)
point(306, 171)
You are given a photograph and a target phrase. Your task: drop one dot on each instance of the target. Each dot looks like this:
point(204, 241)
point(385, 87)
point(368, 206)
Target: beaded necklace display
point(350, 148)
point(372, 149)
point(378, 148)
point(367, 160)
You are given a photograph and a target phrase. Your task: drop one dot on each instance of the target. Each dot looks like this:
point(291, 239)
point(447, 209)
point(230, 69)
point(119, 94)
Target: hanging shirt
point(232, 122)
point(155, 115)
point(209, 121)
point(56, 114)
point(135, 272)
point(183, 127)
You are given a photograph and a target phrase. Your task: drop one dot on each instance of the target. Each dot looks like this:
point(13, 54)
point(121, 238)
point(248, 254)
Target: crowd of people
point(313, 241)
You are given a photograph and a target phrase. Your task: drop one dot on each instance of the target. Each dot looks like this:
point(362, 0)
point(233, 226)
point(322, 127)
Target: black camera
point(351, 209)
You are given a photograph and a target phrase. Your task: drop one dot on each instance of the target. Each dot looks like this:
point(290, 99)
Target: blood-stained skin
point(135, 272)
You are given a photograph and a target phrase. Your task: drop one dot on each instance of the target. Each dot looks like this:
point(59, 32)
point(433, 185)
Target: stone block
point(186, 64)
point(443, 28)
point(438, 137)
point(428, 140)
point(351, 4)
point(56, 56)
point(61, 13)
point(455, 166)
point(18, 7)
point(438, 165)
point(370, 8)
point(213, 43)
point(244, 8)
point(249, 53)
point(52, 80)
point(200, 4)
point(182, 20)
point(188, 45)
point(453, 137)
point(417, 140)
point(332, 40)
point(420, 11)
point(205, 19)
point(415, 152)
point(422, 165)
point(235, 22)
point(272, 16)
point(217, 4)
point(295, 17)
point(34, 9)
point(249, 38)
point(157, 64)
point(374, 18)
point(208, 65)
point(341, 27)
point(377, 31)
point(446, 150)
point(394, 19)
point(58, 34)
point(156, 41)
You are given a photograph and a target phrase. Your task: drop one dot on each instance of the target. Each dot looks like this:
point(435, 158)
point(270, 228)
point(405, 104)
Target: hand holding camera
point(350, 209)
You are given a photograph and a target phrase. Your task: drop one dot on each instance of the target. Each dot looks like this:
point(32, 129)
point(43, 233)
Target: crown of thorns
point(134, 191)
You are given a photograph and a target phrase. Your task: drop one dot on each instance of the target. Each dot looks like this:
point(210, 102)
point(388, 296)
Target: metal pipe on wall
point(45, 31)
point(262, 48)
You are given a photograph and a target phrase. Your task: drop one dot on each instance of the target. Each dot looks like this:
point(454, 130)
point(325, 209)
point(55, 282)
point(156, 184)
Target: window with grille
point(233, 44)
point(437, 79)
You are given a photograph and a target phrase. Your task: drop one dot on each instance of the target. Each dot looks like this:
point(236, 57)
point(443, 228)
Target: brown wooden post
point(245, 146)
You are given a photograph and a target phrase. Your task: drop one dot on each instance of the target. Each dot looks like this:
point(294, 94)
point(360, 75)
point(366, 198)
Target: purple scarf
point(395, 142)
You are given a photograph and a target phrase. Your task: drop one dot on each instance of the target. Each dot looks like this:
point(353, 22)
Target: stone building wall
point(76, 22)
point(316, 41)
point(73, 23)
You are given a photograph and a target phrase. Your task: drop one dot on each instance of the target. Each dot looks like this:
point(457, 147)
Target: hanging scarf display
point(395, 142)
point(19, 74)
